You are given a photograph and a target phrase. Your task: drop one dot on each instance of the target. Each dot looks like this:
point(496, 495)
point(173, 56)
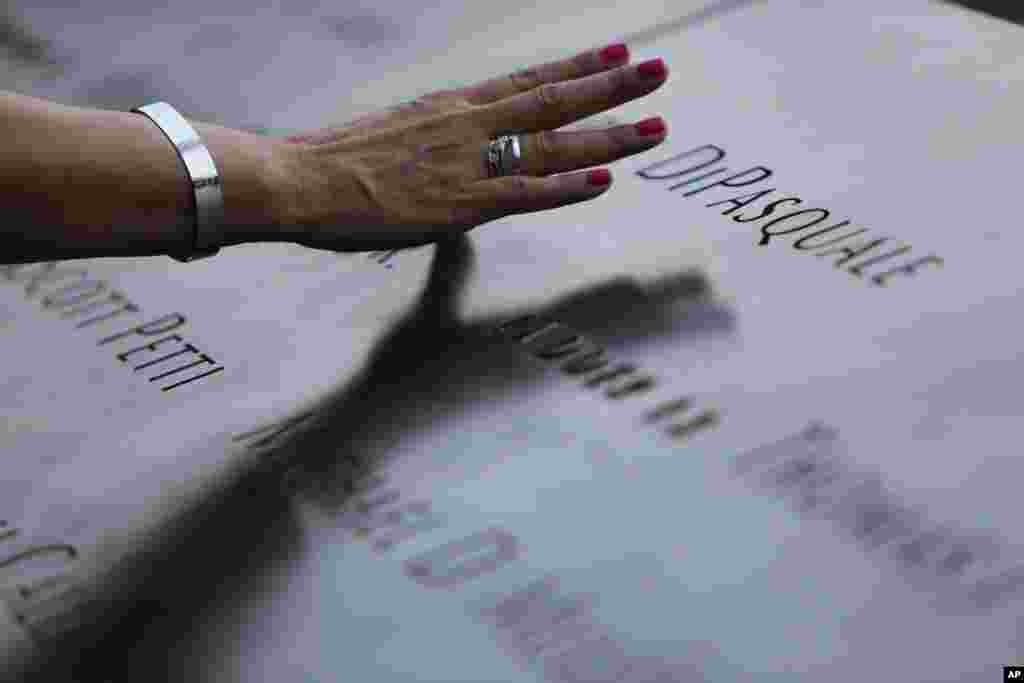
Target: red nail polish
point(614, 53)
point(653, 68)
point(599, 177)
point(651, 126)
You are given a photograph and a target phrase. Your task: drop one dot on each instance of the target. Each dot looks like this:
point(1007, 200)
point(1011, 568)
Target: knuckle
point(430, 103)
point(521, 190)
point(549, 95)
point(447, 100)
point(441, 95)
point(619, 137)
point(619, 79)
point(405, 107)
point(525, 79)
point(582, 62)
point(546, 145)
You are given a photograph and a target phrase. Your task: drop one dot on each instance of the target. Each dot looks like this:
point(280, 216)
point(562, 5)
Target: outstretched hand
point(416, 173)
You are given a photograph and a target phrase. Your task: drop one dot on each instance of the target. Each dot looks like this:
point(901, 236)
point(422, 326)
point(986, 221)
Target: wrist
point(250, 167)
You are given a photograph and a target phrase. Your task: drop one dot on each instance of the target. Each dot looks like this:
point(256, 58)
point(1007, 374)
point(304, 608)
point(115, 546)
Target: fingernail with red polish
point(599, 177)
point(614, 53)
point(651, 126)
point(653, 68)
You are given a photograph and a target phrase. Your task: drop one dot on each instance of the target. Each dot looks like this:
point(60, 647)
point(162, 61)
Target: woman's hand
point(416, 172)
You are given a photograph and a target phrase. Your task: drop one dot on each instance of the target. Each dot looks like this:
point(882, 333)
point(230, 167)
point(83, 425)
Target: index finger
point(583, 64)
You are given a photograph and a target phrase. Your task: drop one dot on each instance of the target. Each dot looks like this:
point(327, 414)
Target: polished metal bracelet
point(208, 199)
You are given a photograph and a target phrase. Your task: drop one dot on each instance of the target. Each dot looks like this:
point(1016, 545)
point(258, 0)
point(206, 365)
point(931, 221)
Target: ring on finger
point(503, 156)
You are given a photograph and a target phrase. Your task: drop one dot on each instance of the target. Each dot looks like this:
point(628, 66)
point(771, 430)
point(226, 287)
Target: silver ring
point(503, 156)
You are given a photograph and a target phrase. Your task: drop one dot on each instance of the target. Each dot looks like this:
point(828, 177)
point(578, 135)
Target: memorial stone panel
point(587, 445)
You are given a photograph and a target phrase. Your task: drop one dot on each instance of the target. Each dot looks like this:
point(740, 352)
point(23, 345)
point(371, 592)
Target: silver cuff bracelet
point(208, 199)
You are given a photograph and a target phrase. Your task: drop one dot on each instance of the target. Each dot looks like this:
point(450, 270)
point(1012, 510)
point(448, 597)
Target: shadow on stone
point(426, 366)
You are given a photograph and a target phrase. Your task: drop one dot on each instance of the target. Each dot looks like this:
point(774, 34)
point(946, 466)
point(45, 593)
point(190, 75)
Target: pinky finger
point(525, 194)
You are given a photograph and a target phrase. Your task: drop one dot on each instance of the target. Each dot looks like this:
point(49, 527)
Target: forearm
point(79, 182)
